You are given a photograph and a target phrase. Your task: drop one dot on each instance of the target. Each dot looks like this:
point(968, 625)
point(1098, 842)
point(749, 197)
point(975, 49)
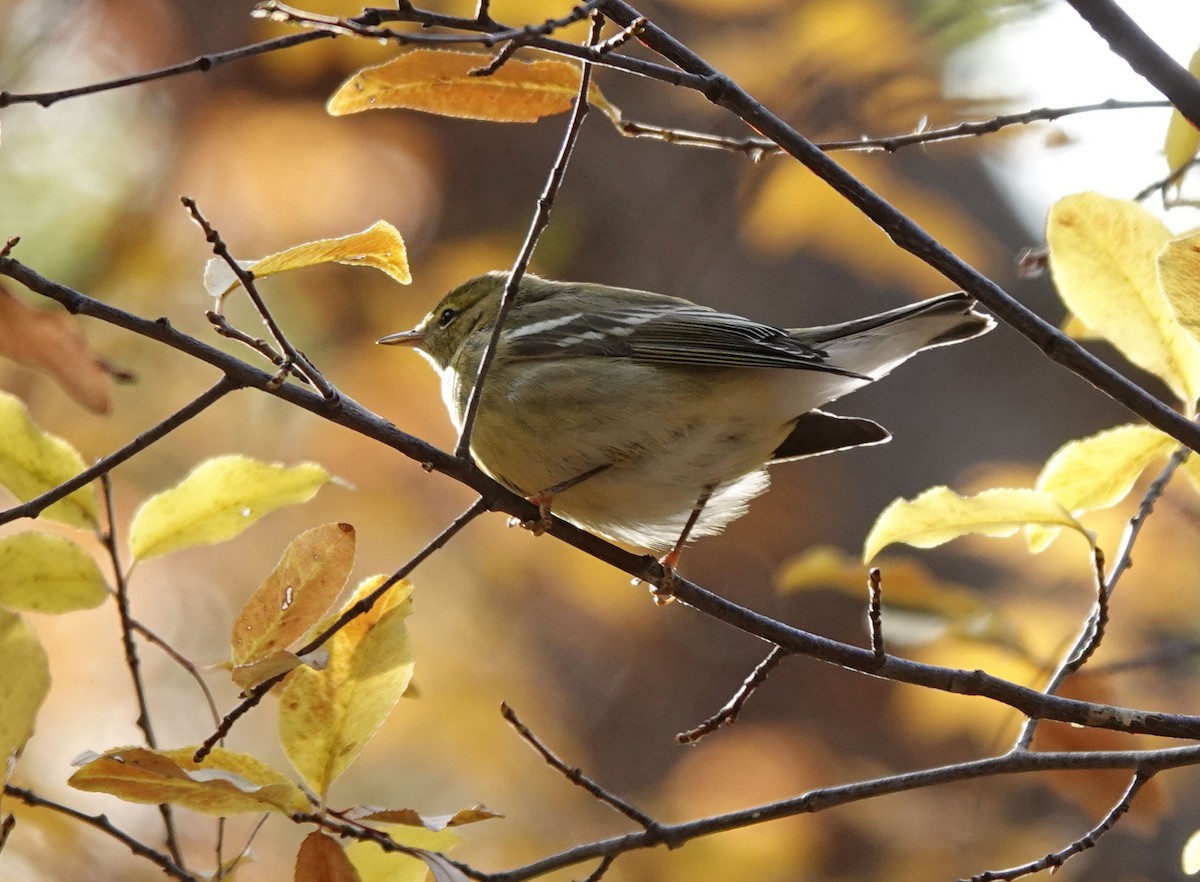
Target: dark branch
point(729, 713)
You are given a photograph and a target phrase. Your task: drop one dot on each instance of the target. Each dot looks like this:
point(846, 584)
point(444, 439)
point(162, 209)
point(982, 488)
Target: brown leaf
point(321, 859)
point(413, 818)
point(51, 341)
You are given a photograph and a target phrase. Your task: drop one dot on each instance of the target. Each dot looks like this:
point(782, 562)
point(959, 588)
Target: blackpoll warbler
point(649, 419)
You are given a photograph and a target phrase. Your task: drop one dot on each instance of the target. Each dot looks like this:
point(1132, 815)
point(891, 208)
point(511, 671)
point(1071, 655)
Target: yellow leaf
point(1191, 854)
point(33, 462)
point(326, 717)
point(379, 246)
point(23, 687)
point(1182, 137)
point(48, 574)
point(1178, 264)
point(304, 584)
point(226, 783)
point(440, 82)
point(1094, 473)
point(1103, 257)
point(274, 663)
point(217, 500)
point(376, 865)
point(321, 859)
point(939, 515)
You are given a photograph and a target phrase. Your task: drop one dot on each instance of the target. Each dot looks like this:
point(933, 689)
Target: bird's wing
point(681, 335)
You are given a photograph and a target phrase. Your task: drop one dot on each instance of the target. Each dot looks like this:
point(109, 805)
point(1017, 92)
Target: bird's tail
point(876, 344)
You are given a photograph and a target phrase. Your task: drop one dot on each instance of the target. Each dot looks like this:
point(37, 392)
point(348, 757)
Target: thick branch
point(911, 237)
point(1145, 56)
point(349, 414)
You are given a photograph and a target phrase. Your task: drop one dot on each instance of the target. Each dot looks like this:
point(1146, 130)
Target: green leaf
point(33, 462)
point(48, 574)
point(218, 500)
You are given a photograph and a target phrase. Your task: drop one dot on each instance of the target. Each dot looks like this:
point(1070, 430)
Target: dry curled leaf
point(50, 340)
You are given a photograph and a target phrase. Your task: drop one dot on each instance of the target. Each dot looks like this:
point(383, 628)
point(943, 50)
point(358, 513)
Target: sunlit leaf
point(273, 664)
point(379, 246)
point(302, 587)
point(33, 462)
point(52, 342)
point(217, 500)
point(1103, 257)
point(1178, 266)
point(23, 686)
point(1097, 472)
point(1182, 138)
point(413, 818)
point(321, 859)
point(939, 515)
point(917, 606)
point(326, 717)
point(439, 81)
point(376, 865)
point(48, 574)
point(1191, 854)
point(226, 783)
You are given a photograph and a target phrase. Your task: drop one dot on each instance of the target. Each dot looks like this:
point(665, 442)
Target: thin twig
point(1163, 183)
point(541, 219)
point(194, 408)
point(617, 40)
point(222, 326)
point(875, 612)
point(102, 823)
point(121, 593)
point(1122, 563)
point(9, 245)
point(292, 356)
point(729, 713)
point(184, 662)
point(1056, 859)
point(364, 604)
point(506, 52)
point(597, 874)
point(575, 775)
point(758, 148)
point(1097, 621)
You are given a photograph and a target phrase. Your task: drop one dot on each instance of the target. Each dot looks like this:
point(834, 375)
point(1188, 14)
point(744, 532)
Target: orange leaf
point(440, 82)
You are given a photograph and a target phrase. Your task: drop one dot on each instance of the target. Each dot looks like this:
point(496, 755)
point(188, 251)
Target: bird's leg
point(544, 499)
point(664, 591)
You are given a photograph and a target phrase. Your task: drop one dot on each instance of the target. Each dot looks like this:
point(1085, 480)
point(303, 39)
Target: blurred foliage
point(600, 673)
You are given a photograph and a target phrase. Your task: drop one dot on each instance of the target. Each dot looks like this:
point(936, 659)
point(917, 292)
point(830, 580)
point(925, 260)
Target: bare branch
point(575, 775)
point(121, 593)
point(101, 823)
point(541, 219)
point(1056, 859)
point(729, 713)
point(1145, 56)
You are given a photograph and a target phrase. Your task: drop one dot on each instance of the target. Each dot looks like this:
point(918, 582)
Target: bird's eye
point(446, 317)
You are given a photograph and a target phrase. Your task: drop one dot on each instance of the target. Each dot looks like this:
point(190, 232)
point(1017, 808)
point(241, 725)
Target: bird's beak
point(404, 338)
